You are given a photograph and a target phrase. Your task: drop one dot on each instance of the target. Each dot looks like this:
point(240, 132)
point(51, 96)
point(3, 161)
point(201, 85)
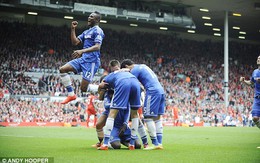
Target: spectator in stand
point(29, 54)
point(1, 94)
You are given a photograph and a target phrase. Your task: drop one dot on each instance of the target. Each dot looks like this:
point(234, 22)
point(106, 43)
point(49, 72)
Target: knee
point(255, 119)
point(116, 145)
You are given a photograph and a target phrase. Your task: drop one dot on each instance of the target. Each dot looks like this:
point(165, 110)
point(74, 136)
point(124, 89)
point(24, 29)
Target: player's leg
point(108, 128)
point(158, 120)
point(88, 117)
point(159, 129)
point(88, 71)
point(66, 81)
point(135, 104)
point(99, 128)
point(84, 86)
point(92, 111)
point(120, 101)
point(134, 127)
point(151, 130)
point(142, 133)
point(148, 119)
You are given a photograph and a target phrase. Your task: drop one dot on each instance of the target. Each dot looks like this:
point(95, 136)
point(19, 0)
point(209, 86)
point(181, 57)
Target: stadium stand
point(190, 71)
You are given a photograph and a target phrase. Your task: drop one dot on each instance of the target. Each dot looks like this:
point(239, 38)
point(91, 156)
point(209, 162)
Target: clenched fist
point(74, 24)
point(242, 79)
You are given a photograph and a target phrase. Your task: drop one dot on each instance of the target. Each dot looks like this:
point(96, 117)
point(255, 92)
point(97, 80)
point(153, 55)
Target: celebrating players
point(126, 91)
point(86, 60)
point(255, 80)
point(154, 103)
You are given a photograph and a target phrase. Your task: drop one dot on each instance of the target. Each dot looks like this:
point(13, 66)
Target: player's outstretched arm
point(247, 82)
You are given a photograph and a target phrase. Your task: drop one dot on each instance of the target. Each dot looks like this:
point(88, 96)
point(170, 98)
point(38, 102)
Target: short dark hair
point(127, 62)
point(98, 15)
point(114, 63)
point(102, 78)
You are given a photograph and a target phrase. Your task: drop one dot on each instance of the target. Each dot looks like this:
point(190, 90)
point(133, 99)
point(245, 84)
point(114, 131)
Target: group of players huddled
point(120, 90)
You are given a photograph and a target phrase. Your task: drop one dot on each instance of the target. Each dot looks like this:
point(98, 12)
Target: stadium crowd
point(191, 72)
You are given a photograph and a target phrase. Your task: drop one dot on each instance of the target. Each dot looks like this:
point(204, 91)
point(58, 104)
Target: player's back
point(117, 77)
point(147, 77)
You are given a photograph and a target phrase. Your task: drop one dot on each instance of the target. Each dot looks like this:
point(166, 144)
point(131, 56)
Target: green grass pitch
point(181, 144)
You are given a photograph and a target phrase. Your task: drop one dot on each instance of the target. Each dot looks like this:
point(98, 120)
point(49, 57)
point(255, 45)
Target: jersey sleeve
point(99, 35)
point(81, 37)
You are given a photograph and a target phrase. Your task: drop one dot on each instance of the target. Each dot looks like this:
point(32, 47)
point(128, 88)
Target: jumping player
point(86, 60)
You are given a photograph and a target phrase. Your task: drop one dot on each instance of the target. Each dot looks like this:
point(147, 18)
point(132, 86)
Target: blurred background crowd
point(190, 71)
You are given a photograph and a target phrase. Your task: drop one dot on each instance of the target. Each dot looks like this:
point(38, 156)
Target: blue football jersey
point(147, 77)
point(89, 38)
point(255, 76)
point(126, 90)
point(115, 77)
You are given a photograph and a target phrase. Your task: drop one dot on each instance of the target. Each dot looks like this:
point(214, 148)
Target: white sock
point(142, 132)
point(151, 127)
point(159, 130)
point(108, 129)
point(134, 127)
point(65, 80)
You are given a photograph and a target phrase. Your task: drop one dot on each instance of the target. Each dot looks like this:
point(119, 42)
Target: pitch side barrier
point(77, 124)
point(44, 124)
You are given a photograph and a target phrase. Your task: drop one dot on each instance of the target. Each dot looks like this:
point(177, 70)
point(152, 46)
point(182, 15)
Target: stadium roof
point(247, 23)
